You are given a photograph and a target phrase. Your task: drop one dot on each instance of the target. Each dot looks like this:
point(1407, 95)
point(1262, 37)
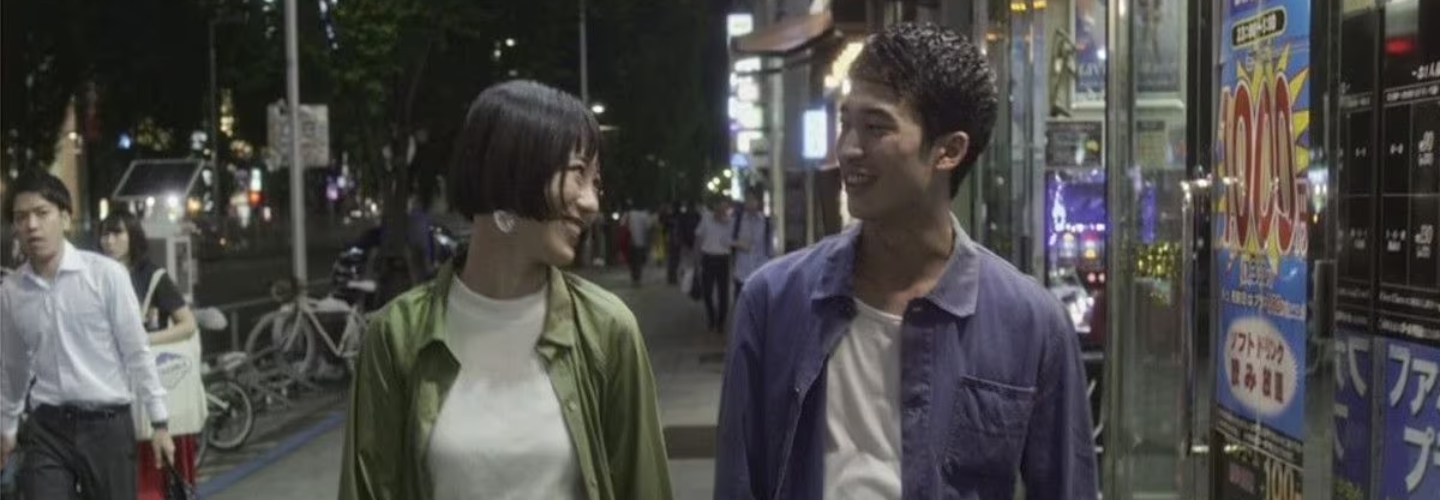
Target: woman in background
point(170, 322)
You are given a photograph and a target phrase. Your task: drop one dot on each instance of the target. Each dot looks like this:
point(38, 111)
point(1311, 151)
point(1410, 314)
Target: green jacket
point(597, 363)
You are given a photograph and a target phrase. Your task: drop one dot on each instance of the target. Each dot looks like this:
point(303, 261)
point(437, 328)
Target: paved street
point(299, 460)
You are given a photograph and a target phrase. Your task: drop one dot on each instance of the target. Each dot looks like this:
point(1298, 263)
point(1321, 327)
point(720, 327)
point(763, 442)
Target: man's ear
point(949, 150)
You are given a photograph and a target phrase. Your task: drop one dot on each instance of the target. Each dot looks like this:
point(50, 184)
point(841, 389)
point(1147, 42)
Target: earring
point(504, 221)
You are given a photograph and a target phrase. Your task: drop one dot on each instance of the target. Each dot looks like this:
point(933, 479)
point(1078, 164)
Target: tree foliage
point(394, 72)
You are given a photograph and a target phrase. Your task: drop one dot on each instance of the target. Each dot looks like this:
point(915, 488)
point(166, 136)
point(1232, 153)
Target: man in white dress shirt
point(72, 342)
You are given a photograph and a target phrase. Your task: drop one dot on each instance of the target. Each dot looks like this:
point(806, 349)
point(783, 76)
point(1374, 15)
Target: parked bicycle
point(231, 417)
point(290, 339)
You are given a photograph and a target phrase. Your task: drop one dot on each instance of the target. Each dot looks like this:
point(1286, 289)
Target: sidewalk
point(688, 364)
point(687, 361)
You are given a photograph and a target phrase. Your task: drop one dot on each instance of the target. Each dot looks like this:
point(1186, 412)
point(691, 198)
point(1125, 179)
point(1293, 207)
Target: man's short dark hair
point(516, 137)
point(39, 182)
point(943, 77)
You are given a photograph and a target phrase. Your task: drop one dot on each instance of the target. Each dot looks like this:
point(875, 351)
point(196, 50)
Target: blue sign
point(1410, 457)
point(1261, 378)
point(1261, 222)
point(740, 161)
point(1353, 395)
point(817, 134)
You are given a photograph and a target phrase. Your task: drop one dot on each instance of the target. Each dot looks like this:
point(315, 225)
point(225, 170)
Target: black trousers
point(672, 263)
point(715, 287)
point(638, 257)
point(73, 453)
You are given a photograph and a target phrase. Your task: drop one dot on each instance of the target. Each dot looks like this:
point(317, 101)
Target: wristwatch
point(160, 426)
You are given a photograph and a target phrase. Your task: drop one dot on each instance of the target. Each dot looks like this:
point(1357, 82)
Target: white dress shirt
point(713, 235)
point(80, 335)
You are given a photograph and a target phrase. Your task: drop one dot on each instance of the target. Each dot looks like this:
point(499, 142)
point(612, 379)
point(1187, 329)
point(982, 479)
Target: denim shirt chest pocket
point(987, 433)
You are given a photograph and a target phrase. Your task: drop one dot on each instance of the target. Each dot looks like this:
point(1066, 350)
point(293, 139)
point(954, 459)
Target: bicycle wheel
point(279, 341)
point(260, 340)
point(229, 427)
point(303, 348)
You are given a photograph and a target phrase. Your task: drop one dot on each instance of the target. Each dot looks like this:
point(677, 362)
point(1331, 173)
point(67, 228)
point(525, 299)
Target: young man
point(73, 342)
point(900, 359)
point(713, 239)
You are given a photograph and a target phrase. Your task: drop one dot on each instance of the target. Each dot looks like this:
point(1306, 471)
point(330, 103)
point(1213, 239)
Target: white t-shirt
point(862, 409)
point(500, 433)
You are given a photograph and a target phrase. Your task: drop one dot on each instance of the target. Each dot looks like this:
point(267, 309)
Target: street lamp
point(598, 108)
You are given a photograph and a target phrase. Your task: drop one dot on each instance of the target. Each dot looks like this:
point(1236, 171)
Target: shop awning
point(787, 36)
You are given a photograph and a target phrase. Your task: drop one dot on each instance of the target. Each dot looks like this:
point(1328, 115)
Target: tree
point(43, 65)
point(135, 68)
point(658, 77)
point(404, 71)
point(392, 66)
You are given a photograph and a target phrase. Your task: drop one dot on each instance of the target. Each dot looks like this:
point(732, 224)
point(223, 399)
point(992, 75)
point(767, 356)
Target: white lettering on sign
point(1424, 372)
point(1262, 369)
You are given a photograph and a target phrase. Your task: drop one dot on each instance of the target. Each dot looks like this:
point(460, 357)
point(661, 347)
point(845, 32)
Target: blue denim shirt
point(991, 380)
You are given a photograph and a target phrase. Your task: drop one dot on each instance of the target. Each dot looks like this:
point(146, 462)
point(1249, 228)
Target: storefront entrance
point(1247, 192)
point(1237, 200)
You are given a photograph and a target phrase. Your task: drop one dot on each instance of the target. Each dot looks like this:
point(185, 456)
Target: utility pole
point(214, 123)
point(584, 59)
point(597, 246)
point(297, 170)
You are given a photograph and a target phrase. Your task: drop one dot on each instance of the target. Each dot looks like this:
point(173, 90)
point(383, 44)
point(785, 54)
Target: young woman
point(171, 327)
point(506, 377)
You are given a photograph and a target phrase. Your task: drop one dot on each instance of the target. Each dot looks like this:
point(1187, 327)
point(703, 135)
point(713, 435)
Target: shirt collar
point(955, 293)
point(70, 260)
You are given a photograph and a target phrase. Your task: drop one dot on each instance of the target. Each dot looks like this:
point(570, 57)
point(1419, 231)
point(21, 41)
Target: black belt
point(81, 412)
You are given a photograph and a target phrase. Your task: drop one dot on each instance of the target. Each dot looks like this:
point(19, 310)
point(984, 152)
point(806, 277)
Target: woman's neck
point(497, 269)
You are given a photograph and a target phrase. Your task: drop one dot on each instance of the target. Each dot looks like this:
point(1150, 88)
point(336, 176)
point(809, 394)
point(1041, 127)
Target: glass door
point(1217, 358)
point(1157, 350)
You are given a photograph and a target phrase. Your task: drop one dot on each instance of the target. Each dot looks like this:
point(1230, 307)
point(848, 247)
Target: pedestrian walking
point(506, 377)
point(73, 345)
point(714, 238)
point(900, 359)
point(171, 331)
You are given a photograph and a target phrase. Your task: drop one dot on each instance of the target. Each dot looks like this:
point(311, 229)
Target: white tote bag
point(179, 366)
point(687, 278)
